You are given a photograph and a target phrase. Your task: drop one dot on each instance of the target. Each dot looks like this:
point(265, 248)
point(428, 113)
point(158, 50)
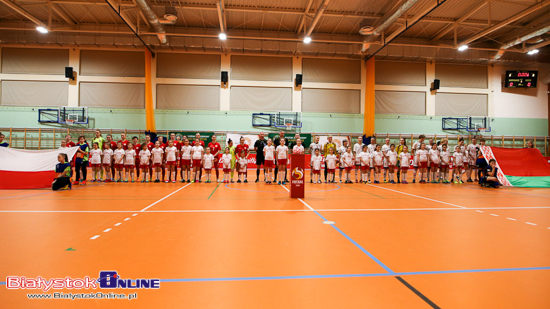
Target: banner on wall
point(338, 140)
point(206, 137)
point(252, 161)
point(249, 139)
point(290, 138)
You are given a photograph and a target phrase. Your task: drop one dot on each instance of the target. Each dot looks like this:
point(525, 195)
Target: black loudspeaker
point(225, 77)
point(436, 84)
point(69, 72)
point(298, 80)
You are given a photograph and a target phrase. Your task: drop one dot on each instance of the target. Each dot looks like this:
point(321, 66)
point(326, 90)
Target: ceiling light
point(223, 36)
point(307, 40)
point(532, 52)
point(42, 29)
point(463, 48)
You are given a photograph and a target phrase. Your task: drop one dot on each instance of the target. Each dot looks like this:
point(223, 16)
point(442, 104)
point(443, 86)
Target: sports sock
point(127, 173)
point(414, 174)
point(173, 176)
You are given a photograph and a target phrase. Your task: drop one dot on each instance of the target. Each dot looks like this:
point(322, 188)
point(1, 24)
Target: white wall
point(518, 102)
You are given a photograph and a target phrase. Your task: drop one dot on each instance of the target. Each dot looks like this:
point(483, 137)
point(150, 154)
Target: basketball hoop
point(288, 124)
point(70, 122)
point(481, 131)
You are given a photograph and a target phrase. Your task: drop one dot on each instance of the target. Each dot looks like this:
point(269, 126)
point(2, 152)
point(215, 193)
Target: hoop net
point(288, 123)
point(70, 122)
point(481, 131)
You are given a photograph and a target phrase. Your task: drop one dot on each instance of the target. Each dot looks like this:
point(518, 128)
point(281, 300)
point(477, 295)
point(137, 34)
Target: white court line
point(300, 200)
point(418, 196)
point(531, 223)
point(479, 211)
point(106, 230)
point(118, 224)
point(494, 215)
point(134, 215)
point(126, 219)
point(162, 199)
point(511, 219)
point(96, 236)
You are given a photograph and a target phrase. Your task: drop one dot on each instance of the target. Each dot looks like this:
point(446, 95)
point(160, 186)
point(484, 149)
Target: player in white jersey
point(119, 161)
point(347, 159)
point(458, 165)
point(405, 162)
point(312, 147)
point(331, 161)
point(378, 161)
point(282, 157)
point(107, 161)
point(363, 158)
point(196, 154)
point(416, 147)
point(208, 163)
point(316, 162)
point(391, 157)
point(445, 162)
point(341, 150)
point(422, 157)
point(144, 162)
point(462, 148)
point(372, 146)
point(298, 148)
point(385, 148)
point(95, 162)
point(185, 162)
point(156, 157)
point(471, 152)
point(434, 163)
point(226, 162)
point(129, 163)
point(269, 155)
point(357, 149)
point(242, 163)
point(171, 154)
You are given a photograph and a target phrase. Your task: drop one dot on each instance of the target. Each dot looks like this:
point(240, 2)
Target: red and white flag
point(29, 169)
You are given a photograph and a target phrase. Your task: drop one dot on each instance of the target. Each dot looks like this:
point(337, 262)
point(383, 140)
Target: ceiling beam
point(23, 12)
point(534, 33)
point(221, 15)
point(503, 23)
point(413, 20)
point(303, 18)
point(317, 16)
point(539, 45)
point(61, 12)
point(448, 28)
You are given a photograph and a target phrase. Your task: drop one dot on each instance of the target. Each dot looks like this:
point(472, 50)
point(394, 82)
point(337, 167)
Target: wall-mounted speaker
point(225, 77)
point(69, 72)
point(436, 84)
point(298, 80)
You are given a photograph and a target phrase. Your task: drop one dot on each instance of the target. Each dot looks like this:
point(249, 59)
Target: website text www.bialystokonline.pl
point(75, 296)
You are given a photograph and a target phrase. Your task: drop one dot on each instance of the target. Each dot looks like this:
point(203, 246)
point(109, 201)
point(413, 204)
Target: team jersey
point(124, 144)
point(137, 148)
point(119, 156)
point(422, 155)
point(242, 164)
point(357, 148)
point(314, 146)
point(416, 146)
point(429, 147)
point(95, 156)
point(434, 156)
point(445, 157)
point(392, 157)
point(208, 160)
point(157, 154)
point(269, 152)
point(472, 150)
point(150, 146)
point(460, 149)
point(144, 156)
point(347, 159)
point(186, 152)
point(316, 161)
point(71, 144)
point(239, 148)
point(364, 158)
point(107, 155)
point(130, 156)
point(341, 150)
point(458, 158)
point(378, 158)
point(282, 152)
point(112, 143)
point(385, 149)
point(405, 158)
point(171, 153)
point(197, 152)
point(331, 161)
point(226, 160)
point(215, 149)
point(298, 149)
point(371, 148)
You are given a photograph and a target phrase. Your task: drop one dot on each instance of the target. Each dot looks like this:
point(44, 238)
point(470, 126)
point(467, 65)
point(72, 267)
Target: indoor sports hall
point(275, 154)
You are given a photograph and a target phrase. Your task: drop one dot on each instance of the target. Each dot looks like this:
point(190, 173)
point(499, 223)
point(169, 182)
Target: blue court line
point(414, 273)
point(227, 186)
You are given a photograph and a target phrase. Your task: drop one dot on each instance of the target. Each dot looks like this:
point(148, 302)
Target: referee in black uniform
point(260, 159)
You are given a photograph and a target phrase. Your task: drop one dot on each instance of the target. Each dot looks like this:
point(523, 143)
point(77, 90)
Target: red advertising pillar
point(297, 175)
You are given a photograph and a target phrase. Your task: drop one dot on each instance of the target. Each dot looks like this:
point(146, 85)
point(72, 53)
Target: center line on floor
point(162, 199)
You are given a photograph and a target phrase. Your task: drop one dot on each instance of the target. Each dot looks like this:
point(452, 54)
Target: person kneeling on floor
point(63, 170)
point(490, 179)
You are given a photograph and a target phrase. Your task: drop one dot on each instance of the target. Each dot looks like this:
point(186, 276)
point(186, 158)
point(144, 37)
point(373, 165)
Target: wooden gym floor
point(251, 246)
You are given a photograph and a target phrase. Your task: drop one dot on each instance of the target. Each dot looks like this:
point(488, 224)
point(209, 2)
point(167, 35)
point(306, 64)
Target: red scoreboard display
point(521, 79)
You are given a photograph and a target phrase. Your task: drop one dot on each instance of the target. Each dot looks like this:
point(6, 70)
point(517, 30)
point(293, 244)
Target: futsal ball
point(297, 151)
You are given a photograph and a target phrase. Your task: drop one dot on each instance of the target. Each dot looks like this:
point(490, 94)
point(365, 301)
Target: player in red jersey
point(215, 150)
point(201, 143)
point(242, 147)
point(69, 143)
point(124, 141)
point(137, 147)
point(113, 148)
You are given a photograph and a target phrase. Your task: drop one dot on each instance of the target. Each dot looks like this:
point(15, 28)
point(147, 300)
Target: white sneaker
point(340, 181)
point(369, 181)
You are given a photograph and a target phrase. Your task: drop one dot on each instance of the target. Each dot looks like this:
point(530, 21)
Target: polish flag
point(29, 169)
